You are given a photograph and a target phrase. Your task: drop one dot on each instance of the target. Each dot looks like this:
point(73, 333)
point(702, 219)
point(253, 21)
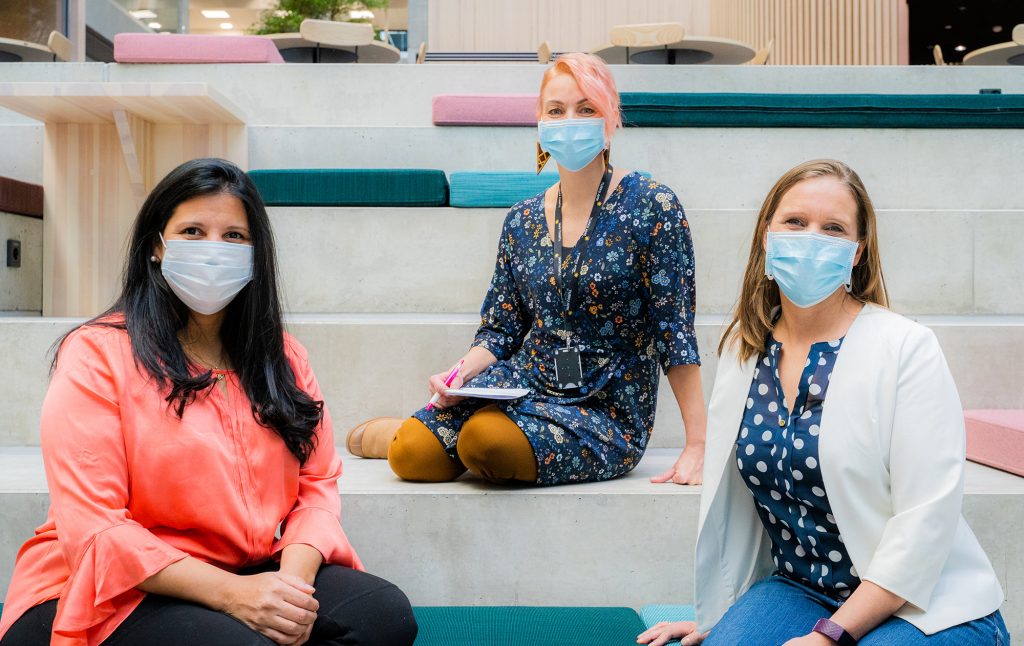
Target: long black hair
point(252, 331)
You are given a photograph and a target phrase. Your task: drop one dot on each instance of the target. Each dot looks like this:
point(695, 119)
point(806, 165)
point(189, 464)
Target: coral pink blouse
point(134, 489)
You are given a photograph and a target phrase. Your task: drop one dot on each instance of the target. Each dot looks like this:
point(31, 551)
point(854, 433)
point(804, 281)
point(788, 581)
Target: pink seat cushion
point(485, 110)
point(996, 438)
point(194, 48)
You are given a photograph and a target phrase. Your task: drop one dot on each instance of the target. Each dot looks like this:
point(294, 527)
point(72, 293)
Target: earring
point(542, 158)
point(154, 259)
point(607, 155)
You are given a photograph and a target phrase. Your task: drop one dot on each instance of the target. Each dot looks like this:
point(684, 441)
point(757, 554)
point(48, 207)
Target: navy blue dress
point(633, 310)
point(777, 455)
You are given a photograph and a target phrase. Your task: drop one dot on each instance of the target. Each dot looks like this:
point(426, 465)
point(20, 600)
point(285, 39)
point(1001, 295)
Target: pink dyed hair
point(596, 83)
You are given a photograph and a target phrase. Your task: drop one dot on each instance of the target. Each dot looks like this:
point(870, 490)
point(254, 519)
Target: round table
point(18, 51)
point(296, 49)
point(999, 54)
point(703, 50)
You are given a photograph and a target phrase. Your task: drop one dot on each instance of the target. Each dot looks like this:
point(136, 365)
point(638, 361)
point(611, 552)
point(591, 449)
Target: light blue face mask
point(572, 142)
point(809, 267)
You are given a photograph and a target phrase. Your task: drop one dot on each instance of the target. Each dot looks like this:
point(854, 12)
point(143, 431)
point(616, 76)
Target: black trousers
point(355, 608)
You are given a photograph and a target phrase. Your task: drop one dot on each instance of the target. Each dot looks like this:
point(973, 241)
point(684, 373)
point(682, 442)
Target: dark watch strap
point(835, 632)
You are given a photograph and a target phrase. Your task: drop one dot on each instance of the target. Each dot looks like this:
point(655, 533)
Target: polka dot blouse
point(777, 455)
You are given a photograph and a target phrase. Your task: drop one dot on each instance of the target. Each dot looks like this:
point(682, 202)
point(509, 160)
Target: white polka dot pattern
point(788, 488)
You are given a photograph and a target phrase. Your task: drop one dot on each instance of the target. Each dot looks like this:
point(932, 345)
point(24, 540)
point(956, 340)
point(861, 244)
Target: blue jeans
point(775, 610)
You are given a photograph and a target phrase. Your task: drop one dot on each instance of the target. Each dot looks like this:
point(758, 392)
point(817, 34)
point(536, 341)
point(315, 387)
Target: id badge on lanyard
point(568, 363)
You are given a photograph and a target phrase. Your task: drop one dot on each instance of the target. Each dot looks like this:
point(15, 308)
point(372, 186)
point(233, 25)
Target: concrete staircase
point(369, 295)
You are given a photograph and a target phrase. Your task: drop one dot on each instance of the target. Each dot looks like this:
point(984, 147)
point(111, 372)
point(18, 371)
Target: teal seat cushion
point(651, 615)
point(497, 189)
point(526, 626)
point(721, 110)
point(352, 187)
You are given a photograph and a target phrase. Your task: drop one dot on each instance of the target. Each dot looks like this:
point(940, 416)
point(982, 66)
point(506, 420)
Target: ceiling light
point(361, 14)
point(143, 14)
point(155, 25)
point(960, 48)
point(215, 14)
point(226, 25)
point(997, 29)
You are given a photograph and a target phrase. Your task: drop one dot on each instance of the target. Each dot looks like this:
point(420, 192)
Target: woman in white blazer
point(834, 465)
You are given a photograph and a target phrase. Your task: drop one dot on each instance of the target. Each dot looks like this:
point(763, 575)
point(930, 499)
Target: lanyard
point(572, 279)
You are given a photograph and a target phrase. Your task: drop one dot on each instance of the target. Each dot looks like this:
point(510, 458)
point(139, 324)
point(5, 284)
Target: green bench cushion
point(718, 110)
point(526, 626)
point(352, 187)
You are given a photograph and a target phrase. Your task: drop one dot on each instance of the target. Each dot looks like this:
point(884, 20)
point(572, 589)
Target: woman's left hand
point(688, 469)
point(811, 639)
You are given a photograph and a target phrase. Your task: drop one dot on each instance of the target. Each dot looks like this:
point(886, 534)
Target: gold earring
point(542, 158)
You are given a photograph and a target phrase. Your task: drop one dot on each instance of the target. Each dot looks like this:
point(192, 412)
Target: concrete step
point(370, 95)
point(710, 168)
point(441, 259)
point(626, 542)
point(377, 364)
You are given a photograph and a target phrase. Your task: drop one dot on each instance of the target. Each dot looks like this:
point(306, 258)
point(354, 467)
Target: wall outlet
point(14, 253)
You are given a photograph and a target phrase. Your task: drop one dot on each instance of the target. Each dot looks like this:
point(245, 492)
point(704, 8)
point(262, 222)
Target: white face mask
point(204, 274)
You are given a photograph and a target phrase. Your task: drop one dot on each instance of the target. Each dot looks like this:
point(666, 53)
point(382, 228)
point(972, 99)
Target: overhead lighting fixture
point(960, 48)
point(155, 25)
point(360, 14)
point(215, 14)
point(226, 25)
point(997, 28)
point(143, 14)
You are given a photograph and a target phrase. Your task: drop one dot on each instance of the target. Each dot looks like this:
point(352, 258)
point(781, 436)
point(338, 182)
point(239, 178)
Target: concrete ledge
point(471, 543)
point(399, 259)
point(710, 168)
point(377, 364)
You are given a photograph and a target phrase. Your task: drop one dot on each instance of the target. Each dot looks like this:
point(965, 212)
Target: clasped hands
point(279, 606)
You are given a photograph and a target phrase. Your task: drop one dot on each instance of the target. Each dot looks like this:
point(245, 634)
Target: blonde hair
point(752, 319)
point(596, 83)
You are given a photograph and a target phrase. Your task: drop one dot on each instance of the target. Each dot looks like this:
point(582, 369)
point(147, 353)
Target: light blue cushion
point(496, 189)
point(651, 615)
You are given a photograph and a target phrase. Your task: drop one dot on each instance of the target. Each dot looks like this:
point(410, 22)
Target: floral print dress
point(633, 310)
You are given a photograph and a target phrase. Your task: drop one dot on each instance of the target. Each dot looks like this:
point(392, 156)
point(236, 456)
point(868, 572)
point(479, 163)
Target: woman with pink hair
point(593, 290)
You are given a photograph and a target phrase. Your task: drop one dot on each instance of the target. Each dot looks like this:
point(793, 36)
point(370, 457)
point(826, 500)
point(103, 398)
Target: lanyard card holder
point(568, 368)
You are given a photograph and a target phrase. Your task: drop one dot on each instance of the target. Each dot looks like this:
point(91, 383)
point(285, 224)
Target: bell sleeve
point(504, 318)
point(669, 280)
point(107, 552)
point(315, 519)
point(926, 471)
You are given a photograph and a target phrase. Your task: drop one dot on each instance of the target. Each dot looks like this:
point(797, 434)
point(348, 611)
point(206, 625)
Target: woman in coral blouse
point(182, 429)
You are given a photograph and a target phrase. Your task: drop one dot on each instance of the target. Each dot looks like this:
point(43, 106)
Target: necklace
point(216, 366)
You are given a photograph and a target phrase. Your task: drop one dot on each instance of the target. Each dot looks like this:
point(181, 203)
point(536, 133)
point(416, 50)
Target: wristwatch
point(835, 632)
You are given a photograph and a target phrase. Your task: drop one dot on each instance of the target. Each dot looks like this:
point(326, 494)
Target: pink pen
point(447, 382)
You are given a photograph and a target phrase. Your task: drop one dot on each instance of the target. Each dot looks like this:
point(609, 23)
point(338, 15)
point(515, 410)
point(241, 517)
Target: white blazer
point(891, 454)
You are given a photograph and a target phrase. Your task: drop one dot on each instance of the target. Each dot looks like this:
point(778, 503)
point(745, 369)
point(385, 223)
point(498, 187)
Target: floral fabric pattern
point(632, 310)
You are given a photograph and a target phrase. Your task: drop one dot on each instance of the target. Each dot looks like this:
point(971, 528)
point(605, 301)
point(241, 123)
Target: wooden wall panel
point(817, 32)
point(569, 25)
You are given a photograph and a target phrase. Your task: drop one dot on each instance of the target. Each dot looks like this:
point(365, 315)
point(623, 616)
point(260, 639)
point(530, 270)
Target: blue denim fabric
point(777, 609)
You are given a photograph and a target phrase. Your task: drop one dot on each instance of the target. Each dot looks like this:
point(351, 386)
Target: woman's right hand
point(275, 605)
point(665, 631)
point(436, 384)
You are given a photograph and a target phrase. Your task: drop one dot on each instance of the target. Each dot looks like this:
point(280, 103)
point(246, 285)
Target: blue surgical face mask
point(809, 267)
point(573, 143)
point(206, 275)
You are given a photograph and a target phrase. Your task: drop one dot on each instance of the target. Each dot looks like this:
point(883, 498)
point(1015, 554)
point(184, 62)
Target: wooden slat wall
point(817, 32)
point(569, 25)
